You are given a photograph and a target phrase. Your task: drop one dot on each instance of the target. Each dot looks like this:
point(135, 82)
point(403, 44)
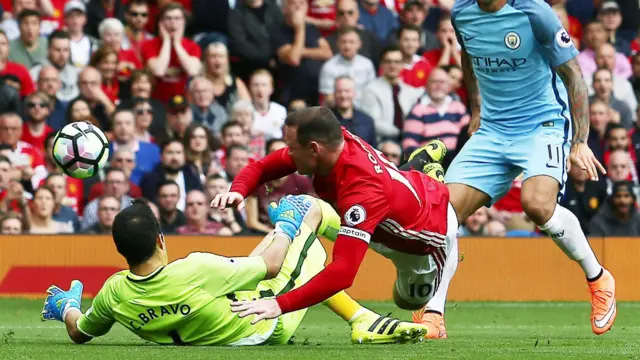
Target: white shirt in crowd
point(270, 124)
point(81, 52)
point(360, 69)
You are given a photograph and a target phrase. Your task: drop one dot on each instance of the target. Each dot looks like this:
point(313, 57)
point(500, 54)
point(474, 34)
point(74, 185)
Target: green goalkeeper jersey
point(184, 302)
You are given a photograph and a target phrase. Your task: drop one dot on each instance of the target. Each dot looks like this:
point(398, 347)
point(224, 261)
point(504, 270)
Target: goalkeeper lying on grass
point(187, 302)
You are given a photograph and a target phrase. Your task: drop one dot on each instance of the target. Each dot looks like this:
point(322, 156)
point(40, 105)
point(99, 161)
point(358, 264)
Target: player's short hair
point(343, 30)
point(389, 49)
point(316, 123)
point(135, 230)
point(407, 27)
point(28, 13)
point(270, 142)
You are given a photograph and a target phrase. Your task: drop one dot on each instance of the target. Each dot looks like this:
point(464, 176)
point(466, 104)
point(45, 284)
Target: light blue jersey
point(525, 119)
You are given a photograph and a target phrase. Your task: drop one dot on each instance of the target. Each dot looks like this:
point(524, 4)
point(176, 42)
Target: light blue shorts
point(491, 160)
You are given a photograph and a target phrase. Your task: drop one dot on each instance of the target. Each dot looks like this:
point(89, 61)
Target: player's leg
point(542, 186)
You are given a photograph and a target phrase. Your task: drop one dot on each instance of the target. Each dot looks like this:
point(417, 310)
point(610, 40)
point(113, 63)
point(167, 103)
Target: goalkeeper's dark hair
point(135, 230)
point(317, 124)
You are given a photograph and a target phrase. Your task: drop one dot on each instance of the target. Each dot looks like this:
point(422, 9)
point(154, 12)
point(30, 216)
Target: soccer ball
point(80, 150)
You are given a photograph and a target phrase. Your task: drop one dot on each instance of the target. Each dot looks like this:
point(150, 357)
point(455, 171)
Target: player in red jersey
point(403, 215)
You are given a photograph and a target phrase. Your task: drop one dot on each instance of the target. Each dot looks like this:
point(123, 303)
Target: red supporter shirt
point(127, 62)
point(433, 57)
point(75, 193)
point(175, 79)
point(112, 90)
point(511, 200)
point(35, 141)
point(416, 75)
point(404, 211)
point(323, 9)
point(21, 72)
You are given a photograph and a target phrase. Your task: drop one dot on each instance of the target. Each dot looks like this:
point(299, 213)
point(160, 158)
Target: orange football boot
point(603, 303)
point(434, 323)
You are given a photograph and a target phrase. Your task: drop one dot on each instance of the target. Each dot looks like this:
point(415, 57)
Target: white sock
point(439, 299)
point(564, 229)
point(363, 310)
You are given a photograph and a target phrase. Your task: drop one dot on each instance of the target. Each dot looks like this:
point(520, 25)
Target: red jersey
point(433, 57)
point(175, 79)
point(112, 90)
point(416, 74)
point(404, 211)
point(33, 140)
point(127, 62)
point(323, 9)
point(21, 72)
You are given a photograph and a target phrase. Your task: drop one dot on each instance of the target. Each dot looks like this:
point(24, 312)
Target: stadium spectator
point(105, 60)
point(49, 82)
point(99, 10)
point(583, 197)
point(13, 197)
point(171, 218)
point(243, 113)
point(414, 13)
point(116, 184)
point(35, 129)
point(620, 167)
point(204, 107)
point(251, 36)
point(495, 228)
point(376, 18)
point(79, 110)
point(63, 210)
point(622, 90)
point(197, 144)
point(143, 111)
point(171, 57)
point(603, 91)
point(618, 216)
point(233, 133)
point(74, 187)
point(82, 45)
point(357, 122)
point(41, 215)
point(101, 106)
point(388, 99)
point(347, 62)
point(108, 208)
point(634, 135)
point(197, 217)
point(611, 18)
point(29, 49)
point(323, 14)
point(416, 69)
point(179, 117)
point(599, 117)
point(617, 138)
point(208, 20)
point(301, 51)
point(635, 78)
point(147, 154)
point(11, 68)
point(24, 157)
point(392, 151)
point(257, 205)
point(458, 91)
point(120, 159)
point(348, 15)
point(172, 167)
point(435, 116)
point(58, 55)
point(269, 116)
point(475, 224)
point(9, 96)
point(136, 19)
point(295, 105)
point(227, 88)
point(449, 51)
point(142, 83)
point(237, 157)
point(594, 37)
point(11, 225)
point(112, 34)
point(216, 184)
point(10, 20)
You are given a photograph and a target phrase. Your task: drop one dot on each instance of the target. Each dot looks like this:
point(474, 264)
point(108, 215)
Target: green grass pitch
point(476, 330)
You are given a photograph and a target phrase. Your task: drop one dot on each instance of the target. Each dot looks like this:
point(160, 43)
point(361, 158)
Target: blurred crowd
point(190, 92)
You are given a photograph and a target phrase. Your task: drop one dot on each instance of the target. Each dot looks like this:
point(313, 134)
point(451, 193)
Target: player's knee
point(538, 206)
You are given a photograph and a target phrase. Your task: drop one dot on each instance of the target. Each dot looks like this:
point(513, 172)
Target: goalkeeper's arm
point(71, 322)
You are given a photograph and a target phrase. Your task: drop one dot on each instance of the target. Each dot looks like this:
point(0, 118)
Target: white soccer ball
point(80, 150)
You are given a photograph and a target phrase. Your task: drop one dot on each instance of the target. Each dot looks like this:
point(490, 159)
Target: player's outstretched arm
point(473, 93)
point(71, 322)
point(64, 306)
point(581, 155)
